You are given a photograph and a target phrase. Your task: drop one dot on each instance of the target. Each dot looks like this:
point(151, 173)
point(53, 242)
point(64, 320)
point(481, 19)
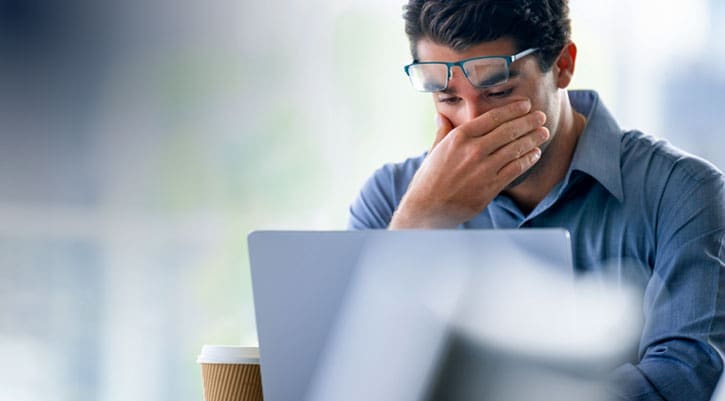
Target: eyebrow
point(450, 91)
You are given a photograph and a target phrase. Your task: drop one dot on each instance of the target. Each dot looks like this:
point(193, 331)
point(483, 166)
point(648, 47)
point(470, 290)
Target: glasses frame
point(509, 60)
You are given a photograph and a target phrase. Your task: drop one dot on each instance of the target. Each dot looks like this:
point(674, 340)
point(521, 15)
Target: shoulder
point(381, 194)
point(658, 161)
point(679, 189)
point(398, 174)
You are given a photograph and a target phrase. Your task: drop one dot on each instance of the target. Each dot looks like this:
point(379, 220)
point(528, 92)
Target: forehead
point(428, 50)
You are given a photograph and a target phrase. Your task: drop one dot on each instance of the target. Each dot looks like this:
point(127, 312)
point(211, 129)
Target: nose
point(472, 105)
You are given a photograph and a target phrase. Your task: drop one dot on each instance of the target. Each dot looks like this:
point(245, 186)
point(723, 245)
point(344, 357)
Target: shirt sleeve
point(684, 301)
point(374, 206)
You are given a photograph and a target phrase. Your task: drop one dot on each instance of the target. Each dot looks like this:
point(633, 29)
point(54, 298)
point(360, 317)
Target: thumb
point(444, 127)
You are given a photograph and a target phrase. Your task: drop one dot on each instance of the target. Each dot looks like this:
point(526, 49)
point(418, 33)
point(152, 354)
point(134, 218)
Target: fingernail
point(536, 155)
point(525, 105)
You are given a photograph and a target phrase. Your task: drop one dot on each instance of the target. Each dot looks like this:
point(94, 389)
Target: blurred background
point(140, 141)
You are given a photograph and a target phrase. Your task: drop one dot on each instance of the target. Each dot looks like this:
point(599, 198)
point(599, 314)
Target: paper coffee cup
point(230, 373)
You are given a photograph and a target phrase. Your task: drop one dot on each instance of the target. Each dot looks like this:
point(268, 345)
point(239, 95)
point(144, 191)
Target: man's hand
point(470, 165)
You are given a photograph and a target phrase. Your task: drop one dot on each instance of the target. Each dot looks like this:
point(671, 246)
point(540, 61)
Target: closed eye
point(451, 100)
point(500, 93)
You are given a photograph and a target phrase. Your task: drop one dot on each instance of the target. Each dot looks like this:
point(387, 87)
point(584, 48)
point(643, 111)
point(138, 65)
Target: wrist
point(405, 219)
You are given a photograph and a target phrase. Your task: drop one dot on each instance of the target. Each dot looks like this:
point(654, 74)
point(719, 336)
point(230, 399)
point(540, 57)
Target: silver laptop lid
point(302, 280)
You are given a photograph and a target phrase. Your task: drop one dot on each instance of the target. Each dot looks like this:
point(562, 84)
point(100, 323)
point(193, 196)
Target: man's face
point(462, 102)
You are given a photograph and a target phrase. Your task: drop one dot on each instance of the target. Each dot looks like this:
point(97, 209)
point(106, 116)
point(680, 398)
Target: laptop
point(376, 314)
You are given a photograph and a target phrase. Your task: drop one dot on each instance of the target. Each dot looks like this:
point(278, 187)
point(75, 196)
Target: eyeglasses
point(481, 72)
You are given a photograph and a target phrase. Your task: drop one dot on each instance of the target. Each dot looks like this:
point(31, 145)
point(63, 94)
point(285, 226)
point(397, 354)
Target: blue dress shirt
point(638, 209)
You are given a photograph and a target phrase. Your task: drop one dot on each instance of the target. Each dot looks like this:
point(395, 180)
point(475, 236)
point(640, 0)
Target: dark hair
point(460, 24)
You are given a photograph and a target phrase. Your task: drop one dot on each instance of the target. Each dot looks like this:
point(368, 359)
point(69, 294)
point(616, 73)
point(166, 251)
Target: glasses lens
point(487, 71)
point(428, 77)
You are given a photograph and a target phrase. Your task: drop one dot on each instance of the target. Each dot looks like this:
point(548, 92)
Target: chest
point(609, 237)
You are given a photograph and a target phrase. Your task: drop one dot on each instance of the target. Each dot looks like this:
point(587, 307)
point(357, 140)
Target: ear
point(564, 65)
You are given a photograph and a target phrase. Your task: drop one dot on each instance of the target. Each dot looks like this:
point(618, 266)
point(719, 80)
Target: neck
point(554, 162)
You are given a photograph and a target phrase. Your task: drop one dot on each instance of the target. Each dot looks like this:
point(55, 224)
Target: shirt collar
point(598, 149)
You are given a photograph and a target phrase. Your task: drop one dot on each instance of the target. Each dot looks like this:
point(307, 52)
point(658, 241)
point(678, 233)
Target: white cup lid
point(228, 354)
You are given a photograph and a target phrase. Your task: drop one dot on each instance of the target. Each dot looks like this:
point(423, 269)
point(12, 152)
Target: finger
point(512, 131)
point(519, 147)
point(491, 119)
point(516, 167)
point(444, 127)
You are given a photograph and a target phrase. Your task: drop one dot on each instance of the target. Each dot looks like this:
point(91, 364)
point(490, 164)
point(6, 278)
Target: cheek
point(547, 100)
point(552, 120)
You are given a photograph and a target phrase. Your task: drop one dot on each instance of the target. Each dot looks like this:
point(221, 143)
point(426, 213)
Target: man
point(514, 149)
